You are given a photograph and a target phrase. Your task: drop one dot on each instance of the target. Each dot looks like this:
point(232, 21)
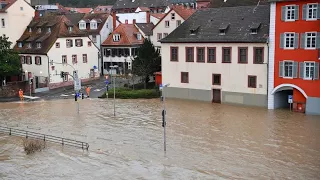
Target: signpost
point(290, 101)
point(77, 86)
point(107, 82)
point(164, 123)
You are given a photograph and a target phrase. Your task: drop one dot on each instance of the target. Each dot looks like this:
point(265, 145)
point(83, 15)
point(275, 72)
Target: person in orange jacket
point(88, 91)
point(21, 95)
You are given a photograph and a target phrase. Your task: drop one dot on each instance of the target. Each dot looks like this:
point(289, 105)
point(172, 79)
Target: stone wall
point(12, 89)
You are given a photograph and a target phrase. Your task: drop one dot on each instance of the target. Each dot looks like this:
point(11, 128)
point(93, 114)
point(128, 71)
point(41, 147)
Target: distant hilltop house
point(53, 44)
point(15, 15)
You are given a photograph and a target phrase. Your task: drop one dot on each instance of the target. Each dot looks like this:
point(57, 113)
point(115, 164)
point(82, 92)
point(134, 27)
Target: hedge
point(125, 93)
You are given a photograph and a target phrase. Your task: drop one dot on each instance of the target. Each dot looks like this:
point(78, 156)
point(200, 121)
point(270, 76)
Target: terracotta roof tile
point(128, 36)
point(185, 13)
point(79, 10)
point(144, 8)
point(158, 15)
point(102, 9)
point(6, 4)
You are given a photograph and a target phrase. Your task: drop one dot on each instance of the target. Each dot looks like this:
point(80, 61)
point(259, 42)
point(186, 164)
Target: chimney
point(148, 16)
point(114, 20)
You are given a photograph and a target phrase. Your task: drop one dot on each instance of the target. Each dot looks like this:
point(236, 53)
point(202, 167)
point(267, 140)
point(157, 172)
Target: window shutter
point(301, 70)
point(283, 13)
point(40, 61)
point(281, 69)
point(30, 60)
point(318, 13)
point(81, 42)
point(318, 40)
point(296, 40)
point(316, 71)
point(282, 40)
point(296, 12)
point(302, 40)
point(71, 43)
point(304, 12)
point(295, 69)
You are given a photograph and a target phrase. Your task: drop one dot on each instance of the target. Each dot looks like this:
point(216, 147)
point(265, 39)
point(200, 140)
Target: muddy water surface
point(205, 141)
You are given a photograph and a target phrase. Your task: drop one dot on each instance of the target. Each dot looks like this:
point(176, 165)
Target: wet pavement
point(205, 141)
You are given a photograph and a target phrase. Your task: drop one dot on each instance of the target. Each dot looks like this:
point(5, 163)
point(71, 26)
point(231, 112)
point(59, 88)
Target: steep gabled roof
point(6, 4)
point(101, 18)
point(120, 4)
point(158, 15)
point(128, 36)
point(183, 12)
point(146, 28)
point(232, 3)
point(205, 25)
point(75, 17)
point(58, 26)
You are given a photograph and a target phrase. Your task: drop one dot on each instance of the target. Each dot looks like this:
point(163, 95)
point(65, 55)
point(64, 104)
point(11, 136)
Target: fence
point(44, 137)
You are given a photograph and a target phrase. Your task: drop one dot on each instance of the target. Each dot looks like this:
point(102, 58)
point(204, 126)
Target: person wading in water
point(88, 91)
point(21, 95)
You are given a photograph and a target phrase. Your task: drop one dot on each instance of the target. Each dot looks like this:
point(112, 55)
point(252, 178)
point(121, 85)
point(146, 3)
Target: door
point(37, 82)
point(216, 95)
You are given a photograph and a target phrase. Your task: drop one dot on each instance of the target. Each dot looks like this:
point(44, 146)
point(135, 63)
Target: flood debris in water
point(33, 145)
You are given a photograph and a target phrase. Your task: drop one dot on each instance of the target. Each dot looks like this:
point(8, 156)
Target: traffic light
point(62, 74)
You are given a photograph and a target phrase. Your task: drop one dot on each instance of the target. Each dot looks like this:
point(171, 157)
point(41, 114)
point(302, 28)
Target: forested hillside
point(82, 3)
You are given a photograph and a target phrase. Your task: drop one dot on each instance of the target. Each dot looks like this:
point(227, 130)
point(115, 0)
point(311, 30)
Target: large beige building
point(219, 55)
point(15, 15)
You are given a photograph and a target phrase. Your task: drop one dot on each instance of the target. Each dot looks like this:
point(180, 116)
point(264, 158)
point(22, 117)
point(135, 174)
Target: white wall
point(271, 98)
point(234, 76)
point(160, 28)
point(154, 20)
point(140, 17)
point(36, 70)
point(106, 30)
point(16, 20)
point(56, 54)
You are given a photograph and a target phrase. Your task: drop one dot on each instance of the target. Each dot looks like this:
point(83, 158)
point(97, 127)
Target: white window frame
point(20, 44)
point(38, 45)
point(28, 45)
point(30, 29)
point(116, 37)
point(306, 40)
point(93, 24)
point(39, 30)
point(292, 14)
point(94, 38)
point(68, 43)
point(285, 40)
point(284, 69)
point(167, 24)
point(49, 29)
point(64, 59)
point(305, 70)
point(173, 16)
point(70, 28)
point(82, 25)
point(74, 59)
point(314, 9)
point(178, 24)
point(139, 37)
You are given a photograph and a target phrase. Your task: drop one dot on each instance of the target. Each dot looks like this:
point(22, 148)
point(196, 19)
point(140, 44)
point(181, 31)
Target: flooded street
point(204, 141)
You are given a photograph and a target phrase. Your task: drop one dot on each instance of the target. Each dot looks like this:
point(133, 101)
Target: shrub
point(126, 93)
point(32, 145)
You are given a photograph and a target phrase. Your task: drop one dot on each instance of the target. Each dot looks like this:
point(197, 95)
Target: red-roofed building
point(79, 10)
point(120, 47)
point(156, 17)
point(15, 15)
point(174, 18)
point(102, 9)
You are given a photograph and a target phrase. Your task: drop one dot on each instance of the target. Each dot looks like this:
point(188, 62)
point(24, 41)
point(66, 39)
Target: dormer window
point(49, 29)
point(116, 37)
point(30, 29)
point(39, 30)
point(254, 27)
point(139, 37)
point(38, 45)
point(29, 45)
point(193, 30)
point(223, 29)
point(82, 25)
point(70, 28)
point(20, 44)
point(93, 24)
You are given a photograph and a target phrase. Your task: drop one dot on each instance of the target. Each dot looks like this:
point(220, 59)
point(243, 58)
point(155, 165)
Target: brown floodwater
point(204, 141)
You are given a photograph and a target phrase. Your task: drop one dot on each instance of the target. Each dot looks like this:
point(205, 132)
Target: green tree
point(10, 64)
point(147, 62)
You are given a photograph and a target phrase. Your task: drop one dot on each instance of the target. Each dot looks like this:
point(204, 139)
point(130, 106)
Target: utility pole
point(164, 123)
point(114, 90)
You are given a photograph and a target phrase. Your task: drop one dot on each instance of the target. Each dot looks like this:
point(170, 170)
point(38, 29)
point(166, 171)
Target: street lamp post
point(164, 123)
point(114, 91)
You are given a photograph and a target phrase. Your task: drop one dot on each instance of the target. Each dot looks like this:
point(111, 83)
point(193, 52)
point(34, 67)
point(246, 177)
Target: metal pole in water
point(164, 121)
point(114, 96)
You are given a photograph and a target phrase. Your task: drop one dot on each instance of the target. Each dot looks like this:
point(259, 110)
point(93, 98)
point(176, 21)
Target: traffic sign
point(160, 87)
point(290, 99)
point(107, 82)
point(77, 84)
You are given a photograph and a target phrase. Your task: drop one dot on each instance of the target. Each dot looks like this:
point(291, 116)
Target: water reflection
point(205, 141)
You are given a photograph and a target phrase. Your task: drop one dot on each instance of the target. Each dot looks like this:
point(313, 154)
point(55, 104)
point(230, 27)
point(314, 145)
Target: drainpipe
point(268, 71)
point(101, 56)
point(48, 71)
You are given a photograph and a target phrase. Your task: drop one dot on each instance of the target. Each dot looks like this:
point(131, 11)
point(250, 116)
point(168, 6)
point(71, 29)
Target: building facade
point(11, 12)
point(120, 48)
point(51, 45)
point(219, 60)
point(294, 55)
point(173, 19)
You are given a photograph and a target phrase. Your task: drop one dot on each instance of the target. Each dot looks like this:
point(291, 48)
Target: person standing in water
point(88, 91)
point(21, 95)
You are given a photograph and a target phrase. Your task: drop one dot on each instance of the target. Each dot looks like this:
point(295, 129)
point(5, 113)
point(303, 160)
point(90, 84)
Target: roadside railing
point(44, 137)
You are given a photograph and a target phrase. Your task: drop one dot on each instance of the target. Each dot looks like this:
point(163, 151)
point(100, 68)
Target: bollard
point(62, 142)
point(10, 132)
point(26, 134)
point(44, 137)
point(82, 145)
